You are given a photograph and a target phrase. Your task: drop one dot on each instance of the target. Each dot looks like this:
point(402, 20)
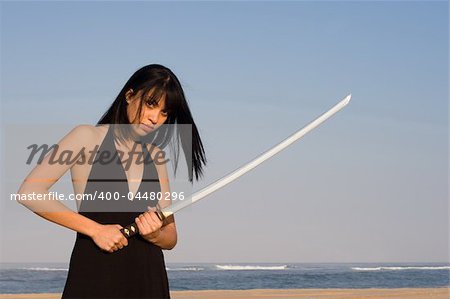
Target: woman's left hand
point(149, 224)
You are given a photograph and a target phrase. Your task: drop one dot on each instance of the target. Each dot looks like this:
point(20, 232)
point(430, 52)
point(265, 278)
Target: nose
point(153, 115)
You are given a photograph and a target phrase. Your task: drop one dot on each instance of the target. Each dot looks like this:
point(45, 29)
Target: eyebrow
point(158, 101)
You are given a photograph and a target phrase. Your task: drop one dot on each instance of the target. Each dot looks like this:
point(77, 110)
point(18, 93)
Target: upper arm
point(68, 151)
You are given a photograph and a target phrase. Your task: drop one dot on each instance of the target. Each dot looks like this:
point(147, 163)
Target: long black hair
point(158, 81)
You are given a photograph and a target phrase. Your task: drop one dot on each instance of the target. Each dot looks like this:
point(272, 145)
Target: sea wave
point(45, 269)
point(186, 269)
point(250, 267)
point(402, 268)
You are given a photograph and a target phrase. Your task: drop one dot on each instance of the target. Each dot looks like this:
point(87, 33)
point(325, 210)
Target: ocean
point(50, 277)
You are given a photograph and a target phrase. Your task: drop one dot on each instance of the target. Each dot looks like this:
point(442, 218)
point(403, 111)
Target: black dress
point(135, 271)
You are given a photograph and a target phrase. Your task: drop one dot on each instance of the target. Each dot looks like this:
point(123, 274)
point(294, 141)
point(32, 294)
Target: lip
point(147, 128)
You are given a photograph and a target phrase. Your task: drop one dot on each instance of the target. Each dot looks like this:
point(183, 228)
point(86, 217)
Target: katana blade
point(131, 229)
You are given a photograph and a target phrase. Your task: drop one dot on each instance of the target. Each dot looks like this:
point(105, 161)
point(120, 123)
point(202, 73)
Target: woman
point(105, 264)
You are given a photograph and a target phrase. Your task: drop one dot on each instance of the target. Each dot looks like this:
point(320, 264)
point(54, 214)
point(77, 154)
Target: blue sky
point(371, 184)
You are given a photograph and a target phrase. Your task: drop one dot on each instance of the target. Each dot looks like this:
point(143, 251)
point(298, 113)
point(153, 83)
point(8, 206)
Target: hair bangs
point(163, 90)
point(152, 95)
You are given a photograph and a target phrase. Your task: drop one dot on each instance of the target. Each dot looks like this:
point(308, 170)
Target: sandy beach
point(404, 293)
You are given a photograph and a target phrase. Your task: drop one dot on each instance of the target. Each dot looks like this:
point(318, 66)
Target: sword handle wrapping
point(132, 229)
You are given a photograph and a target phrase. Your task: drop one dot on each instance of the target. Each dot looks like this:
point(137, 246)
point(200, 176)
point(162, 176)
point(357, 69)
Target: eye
point(150, 104)
point(164, 113)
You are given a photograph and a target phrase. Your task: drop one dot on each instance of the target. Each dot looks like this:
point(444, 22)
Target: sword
point(132, 229)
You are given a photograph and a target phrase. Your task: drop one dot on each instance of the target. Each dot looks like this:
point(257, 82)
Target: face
point(153, 115)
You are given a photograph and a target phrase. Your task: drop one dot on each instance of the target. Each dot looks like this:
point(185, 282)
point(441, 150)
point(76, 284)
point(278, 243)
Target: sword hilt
point(132, 229)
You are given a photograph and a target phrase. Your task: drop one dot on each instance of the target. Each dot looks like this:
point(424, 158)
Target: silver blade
point(169, 210)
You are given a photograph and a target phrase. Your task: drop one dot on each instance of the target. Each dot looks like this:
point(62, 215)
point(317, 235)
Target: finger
point(153, 221)
point(139, 224)
point(146, 220)
point(110, 247)
point(142, 226)
point(118, 243)
point(124, 241)
point(151, 209)
point(148, 217)
point(156, 220)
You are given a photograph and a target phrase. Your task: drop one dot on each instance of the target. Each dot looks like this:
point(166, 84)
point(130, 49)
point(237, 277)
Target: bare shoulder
point(87, 134)
point(88, 131)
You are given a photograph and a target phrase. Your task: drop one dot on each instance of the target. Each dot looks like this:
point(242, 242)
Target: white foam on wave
point(402, 268)
point(45, 269)
point(185, 269)
point(249, 267)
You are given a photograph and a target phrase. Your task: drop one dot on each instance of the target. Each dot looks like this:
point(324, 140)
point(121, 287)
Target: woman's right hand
point(109, 238)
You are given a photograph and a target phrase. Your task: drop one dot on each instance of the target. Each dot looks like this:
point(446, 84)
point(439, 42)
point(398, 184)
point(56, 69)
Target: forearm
point(55, 211)
point(166, 237)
